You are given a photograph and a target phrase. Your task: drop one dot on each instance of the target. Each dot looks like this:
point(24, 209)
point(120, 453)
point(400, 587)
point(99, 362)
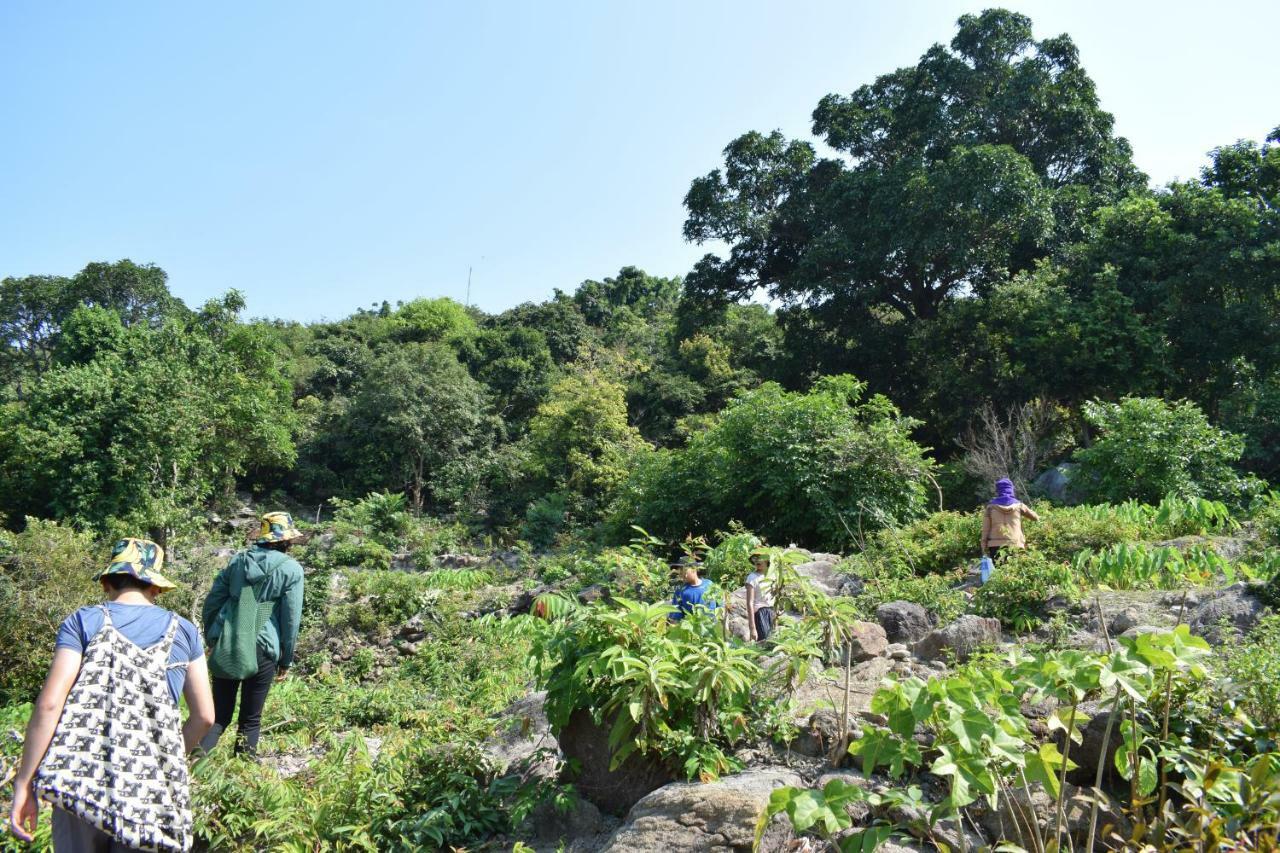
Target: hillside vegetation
point(973, 281)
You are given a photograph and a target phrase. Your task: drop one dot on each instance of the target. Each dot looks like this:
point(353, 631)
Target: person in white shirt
point(760, 596)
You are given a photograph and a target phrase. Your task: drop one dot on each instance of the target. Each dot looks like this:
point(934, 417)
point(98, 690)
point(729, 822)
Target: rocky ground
point(721, 816)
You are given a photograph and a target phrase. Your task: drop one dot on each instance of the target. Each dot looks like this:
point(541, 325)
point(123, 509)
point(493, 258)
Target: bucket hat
point(277, 527)
point(140, 558)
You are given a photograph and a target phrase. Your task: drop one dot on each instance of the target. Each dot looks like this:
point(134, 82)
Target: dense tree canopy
point(956, 172)
point(964, 234)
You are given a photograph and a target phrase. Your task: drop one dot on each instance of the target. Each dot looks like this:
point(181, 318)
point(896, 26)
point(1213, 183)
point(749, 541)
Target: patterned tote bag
point(117, 759)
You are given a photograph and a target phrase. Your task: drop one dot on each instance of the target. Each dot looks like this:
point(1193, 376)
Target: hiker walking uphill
point(1002, 521)
point(251, 619)
point(106, 744)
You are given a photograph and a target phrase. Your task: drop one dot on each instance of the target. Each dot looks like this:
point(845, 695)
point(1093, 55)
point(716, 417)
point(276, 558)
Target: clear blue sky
point(321, 156)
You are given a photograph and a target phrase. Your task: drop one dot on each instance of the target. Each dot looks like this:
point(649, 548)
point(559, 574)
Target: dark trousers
point(73, 835)
point(764, 623)
point(253, 695)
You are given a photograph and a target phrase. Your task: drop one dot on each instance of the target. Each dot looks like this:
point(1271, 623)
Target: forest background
point(968, 237)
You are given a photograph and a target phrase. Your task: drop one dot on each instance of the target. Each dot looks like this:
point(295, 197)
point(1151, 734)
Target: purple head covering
point(1004, 493)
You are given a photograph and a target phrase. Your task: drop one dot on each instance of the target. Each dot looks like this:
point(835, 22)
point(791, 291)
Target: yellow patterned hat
point(140, 558)
point(277, 527)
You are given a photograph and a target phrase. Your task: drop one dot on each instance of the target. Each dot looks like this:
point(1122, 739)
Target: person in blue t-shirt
point(696, 591)
point(105, 664)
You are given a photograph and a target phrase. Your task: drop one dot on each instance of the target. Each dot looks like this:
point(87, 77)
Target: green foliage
point(45, 574)
point(982, 748)
point(936, 544)
point(382, 599)
point(135, 426)
point(417, 422)
point(675, 690)
point(1150, 448)
point(958, 177)
point(580, 445)
point(1254, 669)
point(1139, 566)
point(381, 516)
point(818, 466)
point(935, 593)
point(1019, 587)
point(544, 520)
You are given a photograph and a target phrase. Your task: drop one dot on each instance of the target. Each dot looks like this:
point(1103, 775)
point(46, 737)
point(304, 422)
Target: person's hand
point(25, 813)
point(282, 674)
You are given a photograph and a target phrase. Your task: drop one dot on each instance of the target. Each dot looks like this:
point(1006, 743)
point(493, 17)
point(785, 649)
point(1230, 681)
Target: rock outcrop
point(904, 621)
point(962, 638)
point(1235, 607)
point(717, 817)
point(613, 791)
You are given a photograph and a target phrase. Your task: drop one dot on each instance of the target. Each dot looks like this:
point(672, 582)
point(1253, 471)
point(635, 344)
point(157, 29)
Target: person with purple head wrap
point(1002, 521)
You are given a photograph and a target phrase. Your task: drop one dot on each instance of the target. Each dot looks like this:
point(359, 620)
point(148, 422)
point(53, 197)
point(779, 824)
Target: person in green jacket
point(274, 581)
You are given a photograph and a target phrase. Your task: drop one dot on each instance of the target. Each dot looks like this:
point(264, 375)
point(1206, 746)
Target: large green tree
point(136, 428)
point(819, 467)
point(952, 173)
point(415, 424)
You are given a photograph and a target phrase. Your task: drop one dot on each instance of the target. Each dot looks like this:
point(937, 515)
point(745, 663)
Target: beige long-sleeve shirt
point(1002, 525)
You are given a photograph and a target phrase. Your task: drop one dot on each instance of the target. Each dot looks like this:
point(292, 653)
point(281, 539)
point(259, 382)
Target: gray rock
point(1089, 751)
point(1055, 484)
point(823, 575)
point(1235, 606)
point(822, 732)
point(522, 730)
point(897, 651)
point(962, 637)
point(612, 790)
point(867, 640)
point(688, 817)
point(592, 594)
point(551, 825)
point(904, 621)
point(1123, 621)
point(1018, 816)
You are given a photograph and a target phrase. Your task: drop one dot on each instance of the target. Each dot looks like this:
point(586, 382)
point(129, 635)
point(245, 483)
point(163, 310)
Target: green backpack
point(235, 653)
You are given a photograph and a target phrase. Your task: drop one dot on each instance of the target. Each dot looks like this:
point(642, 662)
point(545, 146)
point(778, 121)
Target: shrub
point(545, 520)
point(935, 593)
point(1019, 588)
point(1149, 448)
point(677, 691)
point(818, 467)
point(1134, 565)
point(935, 544)
point(1254, 669)
point(1062, 532)
point(381, 599)
point(380, 516)
point(45, 573)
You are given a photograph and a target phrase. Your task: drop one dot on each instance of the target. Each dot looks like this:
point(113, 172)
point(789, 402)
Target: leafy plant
point(675, 690)
point(1139, 566)
point(1150, 448)
point(1019, 588)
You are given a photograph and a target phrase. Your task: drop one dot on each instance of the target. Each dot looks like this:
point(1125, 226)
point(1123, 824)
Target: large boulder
point(614, 791)
point(962, 638)
point(867, 640)
point(1235, 607)
point(823, 575)
point(521, 732)
point(717, 817)
point(904, 621)
point(1056, 484)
